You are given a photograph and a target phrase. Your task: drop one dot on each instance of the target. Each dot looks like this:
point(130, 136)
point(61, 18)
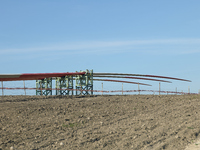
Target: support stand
point(64, 85)
point(44, 86)
point(84, 83)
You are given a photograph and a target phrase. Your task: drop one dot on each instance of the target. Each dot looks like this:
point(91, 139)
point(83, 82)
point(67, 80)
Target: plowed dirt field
point(146, 122)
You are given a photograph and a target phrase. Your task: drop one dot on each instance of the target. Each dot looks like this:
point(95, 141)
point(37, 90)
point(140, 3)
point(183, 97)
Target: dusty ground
point(147, 122)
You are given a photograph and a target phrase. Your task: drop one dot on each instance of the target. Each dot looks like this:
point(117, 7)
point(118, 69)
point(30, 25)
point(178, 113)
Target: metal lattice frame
point(64, 85)
point(84, 83)
point(44, 86)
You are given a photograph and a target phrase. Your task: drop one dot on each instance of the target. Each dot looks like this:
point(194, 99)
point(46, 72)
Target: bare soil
point(146, 122)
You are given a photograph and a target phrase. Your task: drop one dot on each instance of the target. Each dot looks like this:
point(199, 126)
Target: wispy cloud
point(111, 46)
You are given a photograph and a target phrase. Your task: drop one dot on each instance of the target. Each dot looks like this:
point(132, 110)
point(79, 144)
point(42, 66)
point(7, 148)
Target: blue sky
point(145, 37)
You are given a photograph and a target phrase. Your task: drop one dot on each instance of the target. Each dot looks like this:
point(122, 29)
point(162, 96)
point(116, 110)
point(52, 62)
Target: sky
point(141, 37)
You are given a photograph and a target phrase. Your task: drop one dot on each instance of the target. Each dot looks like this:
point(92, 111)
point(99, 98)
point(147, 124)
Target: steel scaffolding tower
point(84, 83)
point(44, 86)
point(64, 85)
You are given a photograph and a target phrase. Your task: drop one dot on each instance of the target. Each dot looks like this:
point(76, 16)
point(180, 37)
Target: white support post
point(138, 88)
point(24, 88)
point(159, 88)
point(122, 88)
point(188, 90)
point(102, 88)
point(2, 87)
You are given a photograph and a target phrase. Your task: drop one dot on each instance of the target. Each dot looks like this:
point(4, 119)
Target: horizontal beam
point(35, 76)
point(154, 76)
point(19, 88)
point(39, 76)
point(121, 81)
point(106, 76)
point(173, 92)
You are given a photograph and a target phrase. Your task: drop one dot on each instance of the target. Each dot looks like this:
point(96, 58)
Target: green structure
point(44, 86)
point(84, 83)
point(64, 85)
